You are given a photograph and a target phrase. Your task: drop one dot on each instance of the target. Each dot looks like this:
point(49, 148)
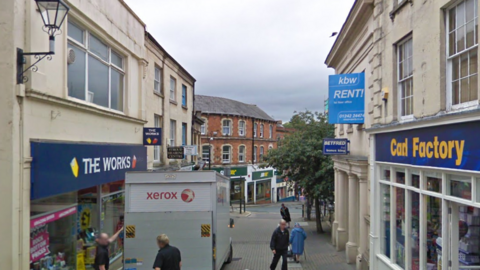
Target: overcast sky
point(265, 52)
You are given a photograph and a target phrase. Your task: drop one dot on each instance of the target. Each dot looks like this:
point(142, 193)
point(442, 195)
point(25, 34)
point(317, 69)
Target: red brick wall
point(213, 123)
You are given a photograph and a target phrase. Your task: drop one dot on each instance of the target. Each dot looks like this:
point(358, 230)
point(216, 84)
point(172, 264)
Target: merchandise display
point(469, 232)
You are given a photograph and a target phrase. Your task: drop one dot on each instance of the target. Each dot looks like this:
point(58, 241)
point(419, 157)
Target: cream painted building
point(170, 103)
point(353, 53)
point(75, 127)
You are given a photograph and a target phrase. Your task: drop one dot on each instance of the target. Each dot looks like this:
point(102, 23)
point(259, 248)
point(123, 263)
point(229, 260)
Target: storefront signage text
point(234, 171)
point(449, 146)
point(152, 136)
point(52, 217)
point(60, 167)
point(262, 175)
point(176, 152)
point(347, 99)
point(39, 243)
point(335, 146)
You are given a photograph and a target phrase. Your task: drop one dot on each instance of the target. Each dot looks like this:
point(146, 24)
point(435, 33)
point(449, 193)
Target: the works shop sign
point(346, 96)
point(335, 146)
point(152, 136)
point(59, 167)
point(449, 146)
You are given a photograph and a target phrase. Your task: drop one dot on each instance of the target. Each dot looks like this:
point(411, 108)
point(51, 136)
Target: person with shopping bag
point(297, 240)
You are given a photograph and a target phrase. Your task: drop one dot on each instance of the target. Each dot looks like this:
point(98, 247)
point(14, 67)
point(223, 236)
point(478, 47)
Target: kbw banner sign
point(346, 99)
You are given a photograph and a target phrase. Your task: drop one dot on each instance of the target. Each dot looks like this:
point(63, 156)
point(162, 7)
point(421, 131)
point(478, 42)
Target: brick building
point(236, 135)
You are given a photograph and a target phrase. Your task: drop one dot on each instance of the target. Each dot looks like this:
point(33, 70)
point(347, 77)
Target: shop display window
point(469, 236)
point(400, 226)
point(87, 224)
point(112, 218)
point(385, 219)
point(434, 182)
point(113, 187)
point(237, 190)
point(400, 176)
point(415, 230)
point(415, 179)
point(460, 186)
point(434, 233)
point(385, 173)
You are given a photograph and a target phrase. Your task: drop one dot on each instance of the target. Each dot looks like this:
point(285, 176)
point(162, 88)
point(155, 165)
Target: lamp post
point(210, 153)
point(53, 14)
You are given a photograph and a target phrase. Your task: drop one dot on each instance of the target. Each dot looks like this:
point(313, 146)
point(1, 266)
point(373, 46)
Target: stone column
point(352, 246)
point(363, 237)
point(335, 222)
point(342, 208)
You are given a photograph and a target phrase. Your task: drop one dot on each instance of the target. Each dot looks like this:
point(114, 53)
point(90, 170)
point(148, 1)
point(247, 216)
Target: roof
point(219, 105)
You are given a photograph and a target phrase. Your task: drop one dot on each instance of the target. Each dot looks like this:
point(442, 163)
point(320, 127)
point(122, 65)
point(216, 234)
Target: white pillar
point(342, 208)
point(363, 237)
point(352, 246)
point(335, 222)
point(254, 192)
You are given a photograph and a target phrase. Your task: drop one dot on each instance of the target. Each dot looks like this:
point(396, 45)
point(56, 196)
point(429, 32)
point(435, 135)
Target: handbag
point(289, 252)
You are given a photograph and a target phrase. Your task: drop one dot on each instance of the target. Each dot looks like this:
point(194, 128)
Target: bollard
point(240, 206)
point(303, 210)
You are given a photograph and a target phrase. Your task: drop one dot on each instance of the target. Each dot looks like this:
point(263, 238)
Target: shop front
point(77, 190)
point(262, 186)
point(237, 180)
point(426, 212)
point(285, 189)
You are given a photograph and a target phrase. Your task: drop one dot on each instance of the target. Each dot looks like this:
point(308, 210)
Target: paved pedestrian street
point(251, 238)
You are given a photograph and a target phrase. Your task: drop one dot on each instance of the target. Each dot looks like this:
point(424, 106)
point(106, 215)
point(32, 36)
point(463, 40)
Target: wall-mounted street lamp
point(53, 14)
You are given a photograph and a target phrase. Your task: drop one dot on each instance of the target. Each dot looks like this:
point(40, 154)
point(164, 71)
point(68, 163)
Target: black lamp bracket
point(39, 56)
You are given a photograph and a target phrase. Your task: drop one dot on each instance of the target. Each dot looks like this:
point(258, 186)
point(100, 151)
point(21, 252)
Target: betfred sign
point(170, 197)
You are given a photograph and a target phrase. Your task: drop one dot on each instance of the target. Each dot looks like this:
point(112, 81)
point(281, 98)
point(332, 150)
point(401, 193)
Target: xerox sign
point(170, 197)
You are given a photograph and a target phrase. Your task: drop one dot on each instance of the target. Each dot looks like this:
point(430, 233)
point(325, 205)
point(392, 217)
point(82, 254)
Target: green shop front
point(260, 189)
point(237, 181)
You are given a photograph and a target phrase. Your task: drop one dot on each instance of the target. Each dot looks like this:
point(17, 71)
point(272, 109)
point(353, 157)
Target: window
point(184, 96)
point(173, 86)
point(261, 153)
point(226, 127)
point(462, 54)
point(270, 132)
point(173, 133)
point(226, 153)
point(241, 128)
point(261, 131)
point(156, 148)
point(405, 78)
point(205, 153)
point(385, 220)
point(241, 153)
point(157, 82)
point(97, 74)
point(184, 134)
point(255, 130)
point(255, 154)
point(203, 129)
point(270, 147)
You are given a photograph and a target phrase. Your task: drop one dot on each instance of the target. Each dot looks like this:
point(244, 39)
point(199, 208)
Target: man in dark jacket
point(279, 245)
point(285, 214)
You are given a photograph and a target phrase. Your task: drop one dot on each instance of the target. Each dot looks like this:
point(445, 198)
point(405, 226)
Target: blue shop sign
point(346, 96)
point(152, 136)
point(449, 146)
point(335, 146)
point(59, 167)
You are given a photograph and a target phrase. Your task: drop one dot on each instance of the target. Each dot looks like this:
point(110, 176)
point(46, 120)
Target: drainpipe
point(253, 141)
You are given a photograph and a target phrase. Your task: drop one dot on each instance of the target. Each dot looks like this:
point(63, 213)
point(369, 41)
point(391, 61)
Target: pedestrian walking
point(297, 239)
point(168, 257)
point(285, 214)
point(102, 258)
point(279, 245)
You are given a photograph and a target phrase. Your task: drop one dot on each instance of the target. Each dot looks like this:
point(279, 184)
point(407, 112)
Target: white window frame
point(111, 66)
point(173, 133)
point(406, 79)
point(157, 81)
point(229, 127)
point(203, 129)
point(255, 148)
point(210, 153)
point(173, 89)
point(270, 135)
point(261, 130)
point(470, 104)
point(241, 129)
point(262, 151)
point(242, 155)
point(255, 130)
point(157, 155)
point(229, 153)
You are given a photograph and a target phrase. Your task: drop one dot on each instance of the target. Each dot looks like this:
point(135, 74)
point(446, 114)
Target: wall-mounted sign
point(175, 152)
point(190, 150)
point(60, 167)
point(346, 96)
point(449, 146)
point(152, 136)
point(335, 146)
point(262, 175)
point(234, 171)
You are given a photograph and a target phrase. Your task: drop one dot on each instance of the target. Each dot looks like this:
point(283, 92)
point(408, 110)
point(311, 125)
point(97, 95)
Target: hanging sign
point(152, 136)
point(190, 150)
point(346, 99)
point(176, 152)
point(335, 146)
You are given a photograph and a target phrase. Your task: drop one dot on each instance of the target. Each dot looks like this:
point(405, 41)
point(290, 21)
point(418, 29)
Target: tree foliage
point(300, 157)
